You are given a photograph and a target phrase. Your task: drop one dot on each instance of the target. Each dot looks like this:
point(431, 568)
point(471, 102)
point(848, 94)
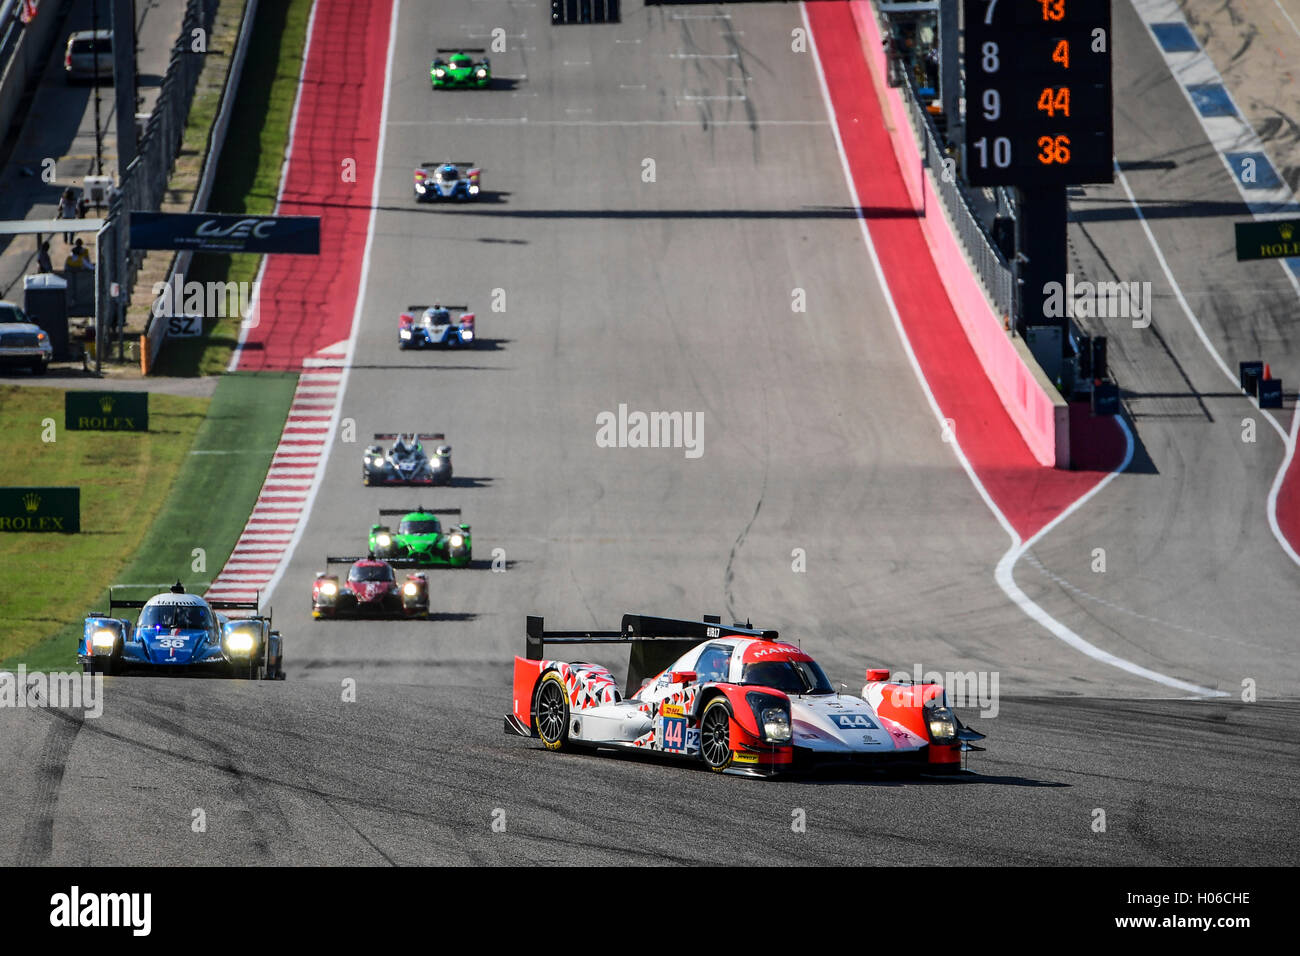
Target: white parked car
point(84, 48)
point(23, 343)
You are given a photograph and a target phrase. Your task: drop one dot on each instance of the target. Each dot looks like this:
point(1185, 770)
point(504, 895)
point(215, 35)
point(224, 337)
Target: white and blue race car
point(180, 633)
point(435, 181)
point(435, 326)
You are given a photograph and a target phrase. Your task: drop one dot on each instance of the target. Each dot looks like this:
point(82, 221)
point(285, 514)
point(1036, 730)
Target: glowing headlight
point(482, 73)
point(239, 642)
point(473, 190)
point(410, 590)
point(439, 72)
point(942, 724)
point(105, 639)
point(329, 588)
point(776, 725)
point(383, 540)
point(405, 333)
point(467, 335)
point(457, 540)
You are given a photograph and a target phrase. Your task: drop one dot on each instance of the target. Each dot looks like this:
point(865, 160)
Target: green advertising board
point(1272, 239)
point(106, 411)
point(40, 509)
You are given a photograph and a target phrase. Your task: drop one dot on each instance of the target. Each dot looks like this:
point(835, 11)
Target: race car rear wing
point(406, 511)
point(449, 162)
point(653, 642)
point(449, 308)
point(135, 603)
point(393, 436)
point(460, 49)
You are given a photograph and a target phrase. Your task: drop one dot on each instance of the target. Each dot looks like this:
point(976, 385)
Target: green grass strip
point(48, 580)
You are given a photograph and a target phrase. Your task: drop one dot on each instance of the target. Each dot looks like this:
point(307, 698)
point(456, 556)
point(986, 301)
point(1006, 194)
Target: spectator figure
point(43, 263)
point(68, 210)
point(78, 258)
point(83, 207)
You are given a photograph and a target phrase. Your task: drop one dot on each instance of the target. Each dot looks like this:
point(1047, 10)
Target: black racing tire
point(101, 665)
point(715, 735)
point(551, 711)
point(39, 368)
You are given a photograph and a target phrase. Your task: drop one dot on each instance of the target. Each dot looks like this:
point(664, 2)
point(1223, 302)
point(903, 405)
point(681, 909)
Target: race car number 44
point(675, 734)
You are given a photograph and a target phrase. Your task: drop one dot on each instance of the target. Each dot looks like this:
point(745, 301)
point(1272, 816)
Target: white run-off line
point(1003, 574)
point(270, 529)
point(1226, 134)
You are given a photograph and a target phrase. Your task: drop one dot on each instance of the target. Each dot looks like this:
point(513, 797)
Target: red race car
point(736, 699)
point(371, 590)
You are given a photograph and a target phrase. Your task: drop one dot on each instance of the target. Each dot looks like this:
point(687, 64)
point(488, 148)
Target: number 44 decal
point(674, 736)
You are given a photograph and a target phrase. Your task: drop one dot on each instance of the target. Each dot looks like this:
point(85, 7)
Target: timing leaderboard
point(1038, 92)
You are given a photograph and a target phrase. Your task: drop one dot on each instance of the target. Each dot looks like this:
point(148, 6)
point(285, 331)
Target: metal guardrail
point(988, 263)
point(144, 183)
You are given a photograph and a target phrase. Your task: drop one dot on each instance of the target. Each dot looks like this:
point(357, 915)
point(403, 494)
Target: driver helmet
point(443, 451)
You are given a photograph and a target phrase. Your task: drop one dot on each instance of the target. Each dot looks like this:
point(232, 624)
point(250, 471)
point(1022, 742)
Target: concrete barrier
point(1039, 412)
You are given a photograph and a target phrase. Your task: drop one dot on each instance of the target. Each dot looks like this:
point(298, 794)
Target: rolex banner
point(106, 411)
point(40, 509)
point(1270, 239)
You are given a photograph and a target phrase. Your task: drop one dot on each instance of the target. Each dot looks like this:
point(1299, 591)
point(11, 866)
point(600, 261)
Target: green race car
point(420, 539)
point(460, 70)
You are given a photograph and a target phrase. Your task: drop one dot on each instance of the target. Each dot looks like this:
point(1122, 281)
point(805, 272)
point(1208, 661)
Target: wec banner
point(40, 509)
point(202, 232)
point(106, 411)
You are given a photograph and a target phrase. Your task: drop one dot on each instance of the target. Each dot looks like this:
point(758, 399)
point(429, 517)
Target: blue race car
point(434, 181)
point(179, 633)
point(434, 326)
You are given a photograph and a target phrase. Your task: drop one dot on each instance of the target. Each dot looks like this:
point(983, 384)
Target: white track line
point(1003, 574)
point(1288, 440)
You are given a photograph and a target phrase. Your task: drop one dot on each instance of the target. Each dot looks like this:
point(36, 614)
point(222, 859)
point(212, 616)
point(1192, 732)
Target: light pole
point(99, 140)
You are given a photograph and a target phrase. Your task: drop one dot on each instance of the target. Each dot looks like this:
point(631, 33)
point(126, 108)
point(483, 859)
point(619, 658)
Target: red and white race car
point(370, 590)
point(736, 698)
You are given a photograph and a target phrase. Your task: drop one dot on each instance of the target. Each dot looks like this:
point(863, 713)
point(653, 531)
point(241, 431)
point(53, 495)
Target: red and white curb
point(295, 467)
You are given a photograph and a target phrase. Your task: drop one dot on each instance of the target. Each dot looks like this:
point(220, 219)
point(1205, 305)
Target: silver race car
point(406, 462)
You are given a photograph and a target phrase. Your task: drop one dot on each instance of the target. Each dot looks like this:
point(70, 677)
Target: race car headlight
point(410, 589)
point(405, 333)
point(456, 540)
point(329, 589)
point(103, 639)
point(480, 72)
point(439, 72)
point(383, 540)
point(776, 725)
point(773, 716)
point(473, 189)
point(941, 722)
point(467, 334)
point(240, 642)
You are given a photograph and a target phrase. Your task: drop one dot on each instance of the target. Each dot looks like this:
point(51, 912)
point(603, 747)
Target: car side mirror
point(684, 677)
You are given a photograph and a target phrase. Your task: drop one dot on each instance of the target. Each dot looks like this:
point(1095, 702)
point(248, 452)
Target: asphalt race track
point(670, 295)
